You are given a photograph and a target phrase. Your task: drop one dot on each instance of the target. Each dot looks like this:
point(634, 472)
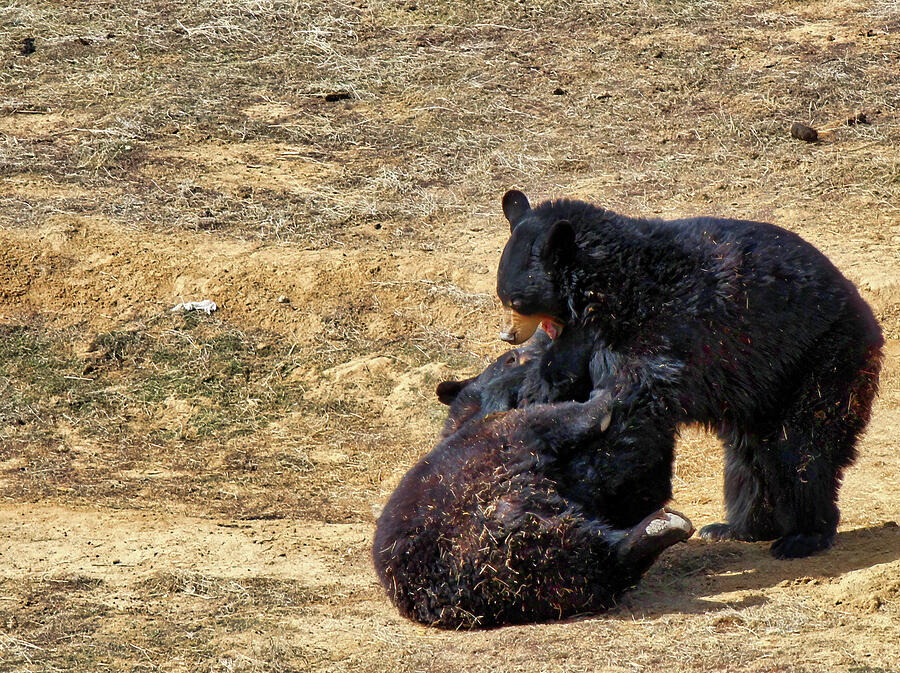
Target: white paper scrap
point(207, 306)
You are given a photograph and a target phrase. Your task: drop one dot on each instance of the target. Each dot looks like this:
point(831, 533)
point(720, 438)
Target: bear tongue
point(552, 328)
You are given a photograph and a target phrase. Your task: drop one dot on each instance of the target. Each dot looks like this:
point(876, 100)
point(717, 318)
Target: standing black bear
point(739, 325)
point(485, 530)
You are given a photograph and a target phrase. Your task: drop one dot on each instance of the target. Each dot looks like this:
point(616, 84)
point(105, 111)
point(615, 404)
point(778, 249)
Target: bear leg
point(643, 543)
point(785, 489)
point(749, 513)
point(783, 482)
point(622, 475)
point(818, 435)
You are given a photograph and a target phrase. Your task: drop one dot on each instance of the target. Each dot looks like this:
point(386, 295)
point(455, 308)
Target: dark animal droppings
point(804, 133)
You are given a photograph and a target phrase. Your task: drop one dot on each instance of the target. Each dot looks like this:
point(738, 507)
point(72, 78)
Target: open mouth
point(518, 328)
point(552, 327)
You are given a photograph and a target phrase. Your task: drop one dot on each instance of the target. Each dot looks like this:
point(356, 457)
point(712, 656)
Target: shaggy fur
point(739, 325)
point(503, 522)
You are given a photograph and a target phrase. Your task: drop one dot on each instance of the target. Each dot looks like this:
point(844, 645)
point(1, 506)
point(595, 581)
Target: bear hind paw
point(650, 537)
point(800, 545)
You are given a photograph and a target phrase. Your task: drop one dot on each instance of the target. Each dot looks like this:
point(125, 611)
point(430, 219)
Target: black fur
point(620, 475)
point(739, 325)
point(508, 520)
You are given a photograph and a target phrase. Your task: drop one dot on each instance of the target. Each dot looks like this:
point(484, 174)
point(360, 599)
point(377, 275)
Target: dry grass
point(191, 493)
point(447, 105)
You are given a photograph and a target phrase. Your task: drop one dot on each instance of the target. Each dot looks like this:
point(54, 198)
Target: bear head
point(494, 390)
point(528, 276)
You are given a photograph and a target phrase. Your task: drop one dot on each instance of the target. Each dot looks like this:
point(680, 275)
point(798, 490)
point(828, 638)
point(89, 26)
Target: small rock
point(335, 96)
point(804, 133)
point(284, 300)
point(559, 91)
point(27, 46)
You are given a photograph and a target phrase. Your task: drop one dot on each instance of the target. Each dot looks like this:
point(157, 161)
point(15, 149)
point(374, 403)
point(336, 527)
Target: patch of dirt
point(190, 492)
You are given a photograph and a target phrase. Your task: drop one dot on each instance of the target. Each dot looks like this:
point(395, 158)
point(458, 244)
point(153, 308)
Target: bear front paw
point(717, 532)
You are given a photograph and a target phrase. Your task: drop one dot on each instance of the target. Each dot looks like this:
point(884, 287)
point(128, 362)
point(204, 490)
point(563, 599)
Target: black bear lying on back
point(619, 476)
point(739, 325)
point(486, 530)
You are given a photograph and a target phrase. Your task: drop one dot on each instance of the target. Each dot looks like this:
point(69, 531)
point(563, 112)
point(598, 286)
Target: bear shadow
point(696, 577)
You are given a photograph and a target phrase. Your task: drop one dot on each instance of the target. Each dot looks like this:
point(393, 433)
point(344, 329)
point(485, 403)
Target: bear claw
point(717, 532)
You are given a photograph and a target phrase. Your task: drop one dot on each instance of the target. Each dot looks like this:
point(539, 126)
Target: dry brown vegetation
point(196, 493)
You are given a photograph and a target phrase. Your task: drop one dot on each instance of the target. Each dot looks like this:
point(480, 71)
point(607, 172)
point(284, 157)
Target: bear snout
point(518, 328)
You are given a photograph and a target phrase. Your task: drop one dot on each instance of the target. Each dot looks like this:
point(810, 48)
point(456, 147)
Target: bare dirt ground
point(197, 493)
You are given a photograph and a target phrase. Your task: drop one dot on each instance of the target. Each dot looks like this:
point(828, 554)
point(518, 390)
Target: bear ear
point(448, 390)
point(515, 205)
point(560, 243)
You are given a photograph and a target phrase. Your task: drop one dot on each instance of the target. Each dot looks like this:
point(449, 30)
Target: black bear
point(620, 476)
point(486, 531)
point(742, 326)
